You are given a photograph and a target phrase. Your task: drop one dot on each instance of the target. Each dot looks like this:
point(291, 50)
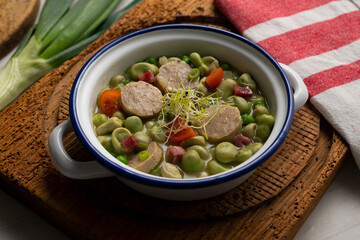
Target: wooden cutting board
point(17, 17)
point(271, 204)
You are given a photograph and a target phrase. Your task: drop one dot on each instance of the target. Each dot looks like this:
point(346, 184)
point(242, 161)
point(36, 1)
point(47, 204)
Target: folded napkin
point(320, 40)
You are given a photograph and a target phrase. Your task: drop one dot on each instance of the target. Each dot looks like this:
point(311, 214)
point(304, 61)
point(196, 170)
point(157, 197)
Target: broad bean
point(142, 140)
point(240, 103)
point(250, 130)
point(197, 140)
point(134, 124)
point(226, 88)
point(142, 67)
point(198, 62)
point(169, 170)
point(191, 162)
point(109, 126)
point(246, 80)
point(118, 135)
point(214, 167)
point(203, 152)
point(116, 80)
point(225, 152)
point(99, 119)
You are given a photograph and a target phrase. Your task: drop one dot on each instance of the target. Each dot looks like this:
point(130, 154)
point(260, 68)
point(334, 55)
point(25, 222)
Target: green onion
point(144, 155)
point(194, 73)
point(62, 33)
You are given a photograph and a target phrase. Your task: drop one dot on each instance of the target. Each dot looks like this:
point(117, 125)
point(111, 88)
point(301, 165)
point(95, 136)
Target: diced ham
point(129, 143)
point(241, 141)
point(148, 77)
point(242, 91)
point(174, 154)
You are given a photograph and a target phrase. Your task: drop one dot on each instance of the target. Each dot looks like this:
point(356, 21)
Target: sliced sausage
point(151, 162)
point(224, 125)
point(141, 99)
point(173, 75)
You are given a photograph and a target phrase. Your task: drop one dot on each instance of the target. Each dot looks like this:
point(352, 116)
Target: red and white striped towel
point(320, 40)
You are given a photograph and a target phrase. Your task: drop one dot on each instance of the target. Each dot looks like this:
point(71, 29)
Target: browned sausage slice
point(174, 75)
point(141, 99)
point(224, 125)
point(151, 162)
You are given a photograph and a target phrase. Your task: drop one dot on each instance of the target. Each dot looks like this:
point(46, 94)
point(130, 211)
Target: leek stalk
point(62, 33)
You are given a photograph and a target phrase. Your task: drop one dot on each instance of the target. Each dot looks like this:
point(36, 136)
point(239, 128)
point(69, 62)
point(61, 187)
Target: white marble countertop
point(337, 215)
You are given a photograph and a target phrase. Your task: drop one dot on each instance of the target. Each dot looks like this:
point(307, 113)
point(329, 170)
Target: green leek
point(62, 33)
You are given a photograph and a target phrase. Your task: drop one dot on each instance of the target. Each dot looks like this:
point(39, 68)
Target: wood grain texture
point(277, 206)
point(17, 17)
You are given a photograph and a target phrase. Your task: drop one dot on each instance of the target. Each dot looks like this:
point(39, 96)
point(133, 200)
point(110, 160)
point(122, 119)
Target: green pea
point(203, 152)
point(197, 61)
point(243, 155)
point(240, 103)
point(260, 110)
point(191, 162)
point(150, 60)
point(259, 103)
point(134, 124)
point(142, 67)
point(246, 118)
point(117, 136)
point(122, 159)
point(226, 88)
point(156, 172)
point(250, 130)
point(197, 140)
point(99, 119)
point(194, 74)
point(246, 80)
point(186, 59)
point(169, 170)
point(109, 126)
point(225, 67)
point(214, 167)
point(225, 152)
point(142, 139)
point(116, 80)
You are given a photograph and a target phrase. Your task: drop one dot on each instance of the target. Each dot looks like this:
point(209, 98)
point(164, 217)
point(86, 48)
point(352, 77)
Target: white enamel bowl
point(172, 40)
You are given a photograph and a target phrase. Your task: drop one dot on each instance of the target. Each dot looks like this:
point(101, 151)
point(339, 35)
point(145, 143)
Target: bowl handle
point(300, 91)
point(65, 164)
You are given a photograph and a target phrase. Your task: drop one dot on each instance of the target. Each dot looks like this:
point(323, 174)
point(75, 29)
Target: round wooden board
point(267, 182)
point(17, 17)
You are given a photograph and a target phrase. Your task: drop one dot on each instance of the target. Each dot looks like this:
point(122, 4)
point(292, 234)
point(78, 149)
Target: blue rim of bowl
point(148, 179)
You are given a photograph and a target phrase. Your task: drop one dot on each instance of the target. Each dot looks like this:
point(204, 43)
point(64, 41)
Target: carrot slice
point(108, 101)
point(214, 78)
point(185, 132)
